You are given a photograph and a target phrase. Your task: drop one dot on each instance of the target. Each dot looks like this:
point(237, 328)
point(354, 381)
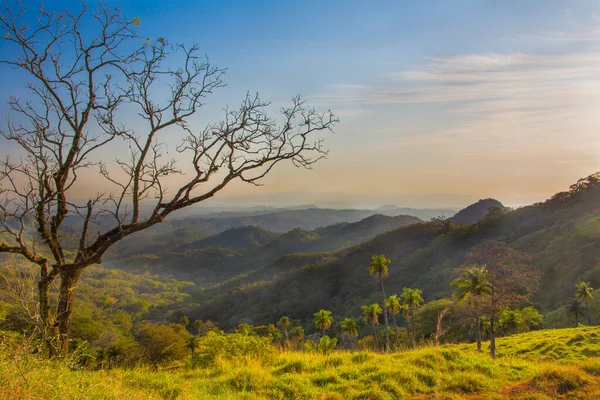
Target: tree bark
point(385, 318)
point(49, 332)
point(478, 323)
point(64, 311)
point(588, 311)
point(396, 332)
point(414, 331)
point(375, 336)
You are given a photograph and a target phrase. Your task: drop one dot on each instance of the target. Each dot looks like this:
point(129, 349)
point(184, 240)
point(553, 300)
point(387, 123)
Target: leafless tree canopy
point(87, 71)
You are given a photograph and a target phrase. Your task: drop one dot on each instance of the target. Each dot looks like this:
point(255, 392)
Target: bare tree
point(83, 83)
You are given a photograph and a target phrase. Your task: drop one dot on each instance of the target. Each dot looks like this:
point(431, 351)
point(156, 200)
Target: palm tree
point(297, 332)
point(413, 300)
point(471, 284)
point(379, 270)
point(511, 320)
point(284, 323)
point(350, 328)
point(371, 315)
point(583, 291)
point(576, 309)
point(192, 344)
point(394, 306)
point(112, 354)
point(323, 320)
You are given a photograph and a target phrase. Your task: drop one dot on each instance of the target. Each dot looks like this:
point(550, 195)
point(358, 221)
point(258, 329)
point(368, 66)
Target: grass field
point(547, 364)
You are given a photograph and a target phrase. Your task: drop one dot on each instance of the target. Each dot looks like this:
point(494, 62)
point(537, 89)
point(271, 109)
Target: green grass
point(550, 364)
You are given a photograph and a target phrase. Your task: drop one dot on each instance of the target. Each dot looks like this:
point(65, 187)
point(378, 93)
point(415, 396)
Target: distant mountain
point(240, 249)
point(287, 220)
point(476, 212)
point(245, 237)
point(561, 235)
point(387, 207)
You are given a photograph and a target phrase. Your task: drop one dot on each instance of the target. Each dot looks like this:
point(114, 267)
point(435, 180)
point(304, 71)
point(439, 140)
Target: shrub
point(233, 346)
point(327, 344)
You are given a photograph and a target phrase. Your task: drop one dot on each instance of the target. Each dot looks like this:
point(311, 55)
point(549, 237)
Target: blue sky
point(441, 102)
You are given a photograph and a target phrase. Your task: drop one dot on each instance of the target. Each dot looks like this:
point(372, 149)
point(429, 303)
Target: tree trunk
point(375, 336)
point(492, 331)
point(414, 332)
point(478, 334)
point(49, 332)
point(588, 311)
point(385, 318)
point(69, 278)
point(576, 319)
point(351, 342)
point(396, 332)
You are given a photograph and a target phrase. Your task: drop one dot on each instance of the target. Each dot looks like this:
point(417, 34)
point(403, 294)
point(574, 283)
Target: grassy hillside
point(524, 370)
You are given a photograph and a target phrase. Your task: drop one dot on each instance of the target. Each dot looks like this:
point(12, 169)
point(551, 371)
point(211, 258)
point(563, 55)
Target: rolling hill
point(560, 235)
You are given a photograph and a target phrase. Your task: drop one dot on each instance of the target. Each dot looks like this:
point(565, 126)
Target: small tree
point(349, 327)
point(371, 316)
point(85, 71)
point(576, 309)
point(471, 286)
point(379, 270)
point(394, 306)
point(327, 344)
point(583, 291)
point(511, 278)
point(413, 300)
point(323, 320)
point(285, 324)
point(112, 355)
point(192, 344)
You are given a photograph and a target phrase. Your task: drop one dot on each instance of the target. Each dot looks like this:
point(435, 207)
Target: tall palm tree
point(285, 324)
point(379, 270)
point(413, 300)
point(371, 315)
point(394, 306)
point(469, 286)
point(576, 309)
point(323, 320)
point(350, 328)
point(583, 291)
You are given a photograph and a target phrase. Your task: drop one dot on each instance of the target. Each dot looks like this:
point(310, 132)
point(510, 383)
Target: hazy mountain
point(476, 212)
point(245, 237)
point(237, 250)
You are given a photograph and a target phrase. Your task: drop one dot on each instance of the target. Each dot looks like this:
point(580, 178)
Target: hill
point(448, 372)
point(559, 234)
point(475, 212)
point(239, 250)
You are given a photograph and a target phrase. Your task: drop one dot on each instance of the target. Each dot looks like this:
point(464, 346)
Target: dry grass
point(548, 364)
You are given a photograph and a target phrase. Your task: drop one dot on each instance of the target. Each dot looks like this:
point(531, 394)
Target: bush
point(327, 344)
point(233, 346)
